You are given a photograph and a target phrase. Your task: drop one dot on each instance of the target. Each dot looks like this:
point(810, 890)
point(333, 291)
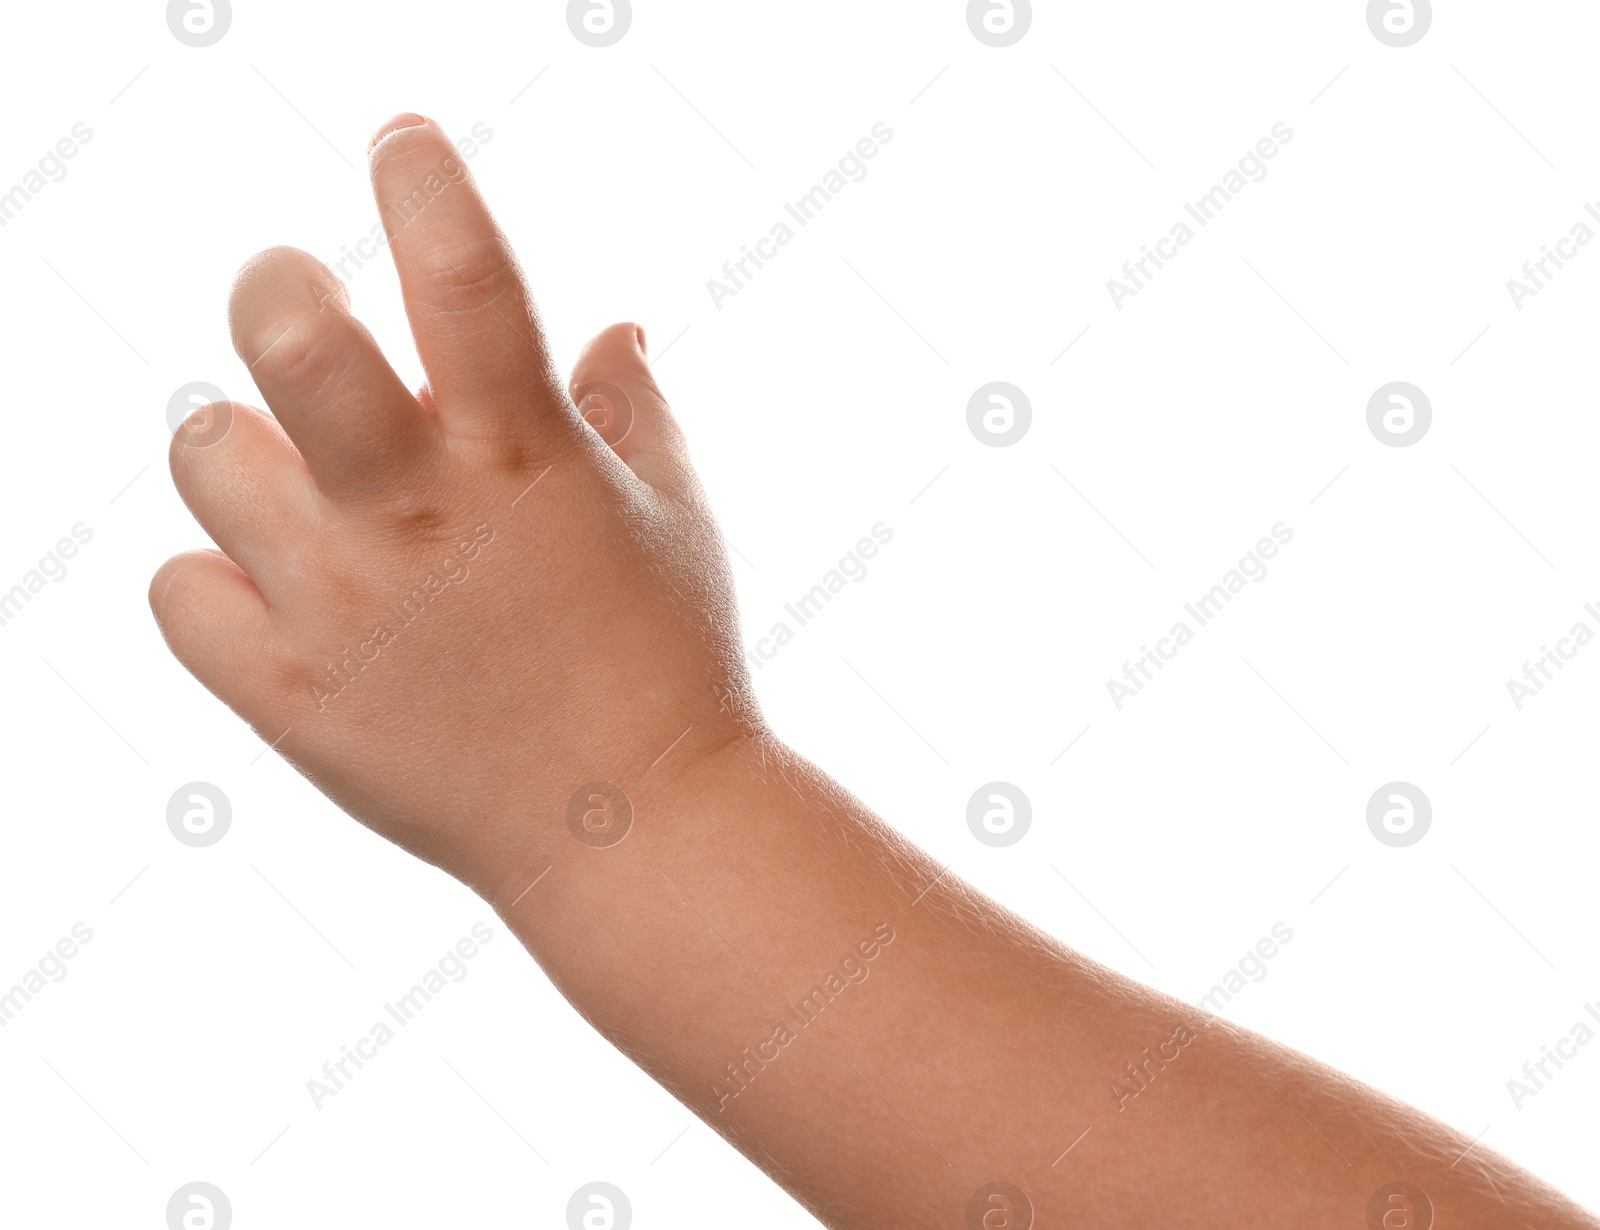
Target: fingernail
point(639, 334)
point(404, 120)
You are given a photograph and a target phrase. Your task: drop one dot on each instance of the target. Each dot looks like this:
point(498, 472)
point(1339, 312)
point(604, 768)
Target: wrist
point(585, 826)
point(746, 862)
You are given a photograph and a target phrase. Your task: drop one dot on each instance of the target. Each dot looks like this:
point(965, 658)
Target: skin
point(458, 611)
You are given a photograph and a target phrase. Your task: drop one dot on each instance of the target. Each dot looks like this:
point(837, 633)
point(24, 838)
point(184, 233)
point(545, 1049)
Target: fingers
point(218, 625)
point(616, 393)
point(241, 478)
point(351, 417)
point(474, 322)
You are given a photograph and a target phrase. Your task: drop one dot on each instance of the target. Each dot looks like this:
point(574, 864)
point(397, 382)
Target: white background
point(819, 401)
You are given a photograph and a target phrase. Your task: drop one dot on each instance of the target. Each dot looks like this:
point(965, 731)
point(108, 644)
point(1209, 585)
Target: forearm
point(885, 1042)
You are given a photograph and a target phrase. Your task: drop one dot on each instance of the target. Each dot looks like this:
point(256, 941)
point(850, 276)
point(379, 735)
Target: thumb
point(616, 393)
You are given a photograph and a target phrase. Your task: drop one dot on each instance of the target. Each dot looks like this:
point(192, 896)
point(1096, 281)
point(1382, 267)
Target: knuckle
point(298, 351)
point(413, 515)
point(464, 276)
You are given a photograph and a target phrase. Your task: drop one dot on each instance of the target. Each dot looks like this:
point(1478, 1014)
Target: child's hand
point(459, 613)
point(451, 611)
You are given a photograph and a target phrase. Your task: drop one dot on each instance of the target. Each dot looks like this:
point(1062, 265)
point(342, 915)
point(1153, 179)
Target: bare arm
point(494, 622)
point(896, 1049)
